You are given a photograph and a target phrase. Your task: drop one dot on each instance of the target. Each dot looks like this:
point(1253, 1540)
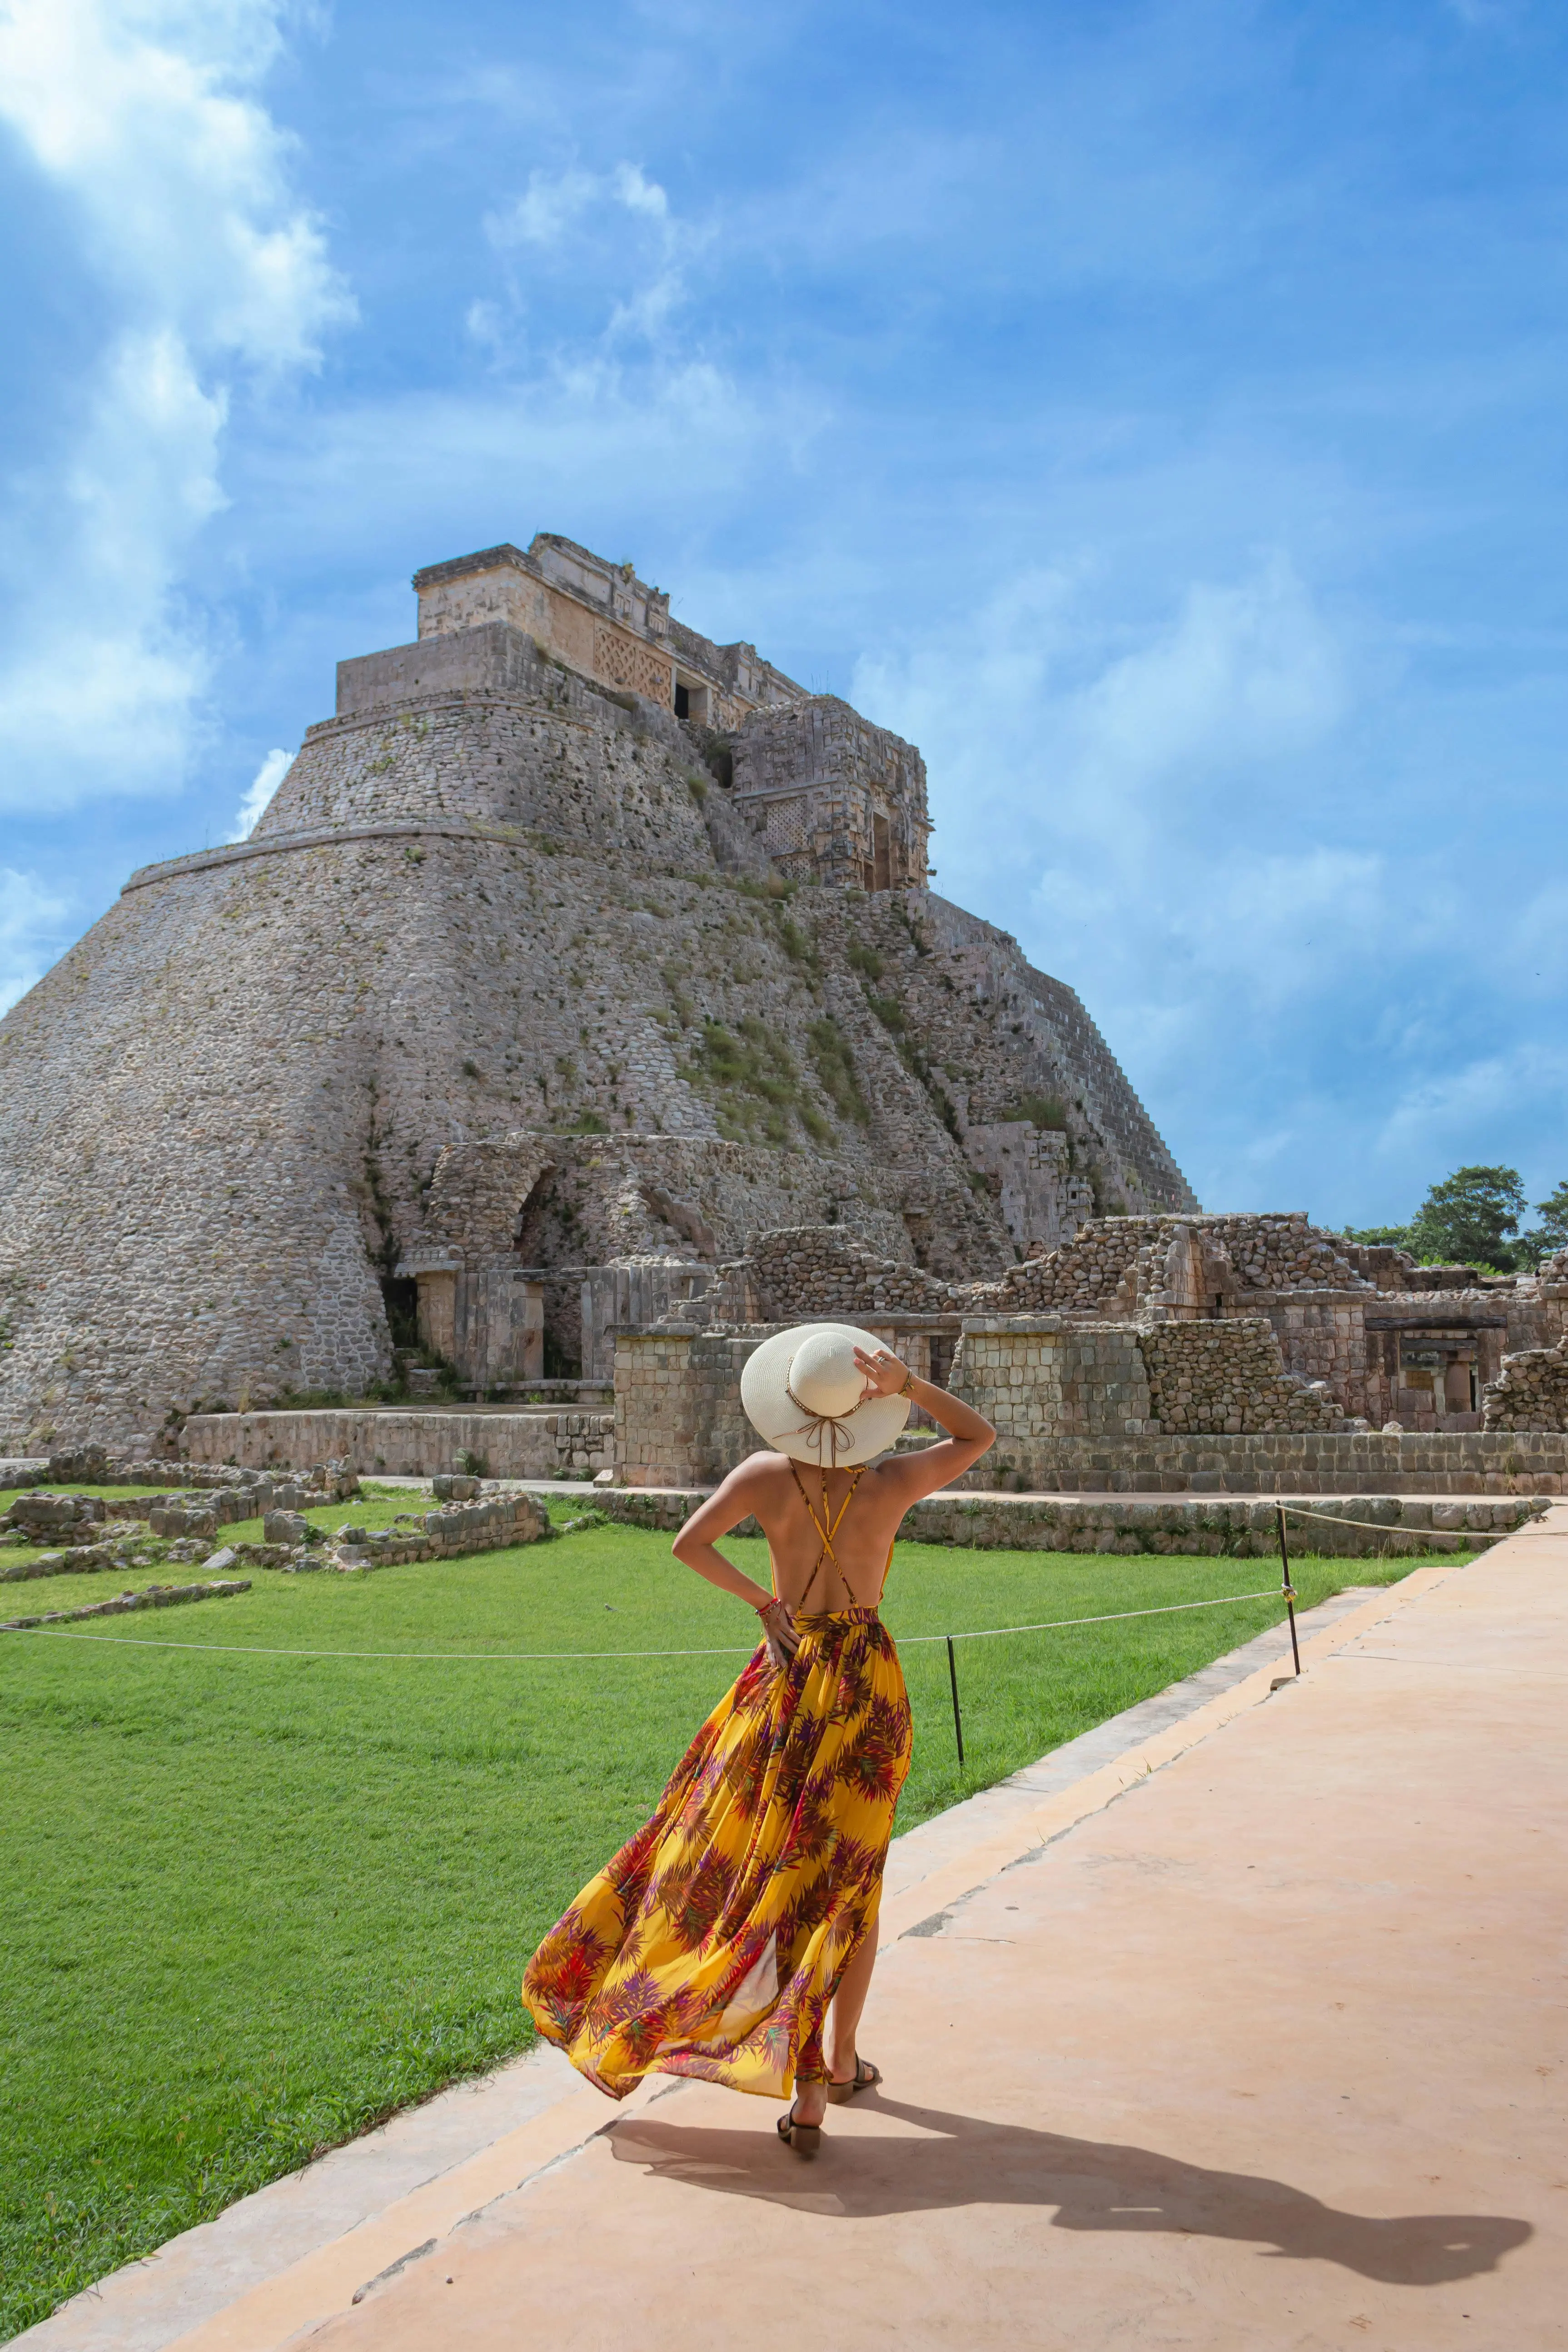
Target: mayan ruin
point(580, 1009)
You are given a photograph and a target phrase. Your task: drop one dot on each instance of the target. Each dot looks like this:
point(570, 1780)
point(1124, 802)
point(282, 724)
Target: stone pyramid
point(572, 940)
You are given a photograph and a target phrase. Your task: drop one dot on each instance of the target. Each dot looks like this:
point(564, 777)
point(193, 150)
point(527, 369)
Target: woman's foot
point(810, 2103)
point(862, 2076)
point(797, 2133)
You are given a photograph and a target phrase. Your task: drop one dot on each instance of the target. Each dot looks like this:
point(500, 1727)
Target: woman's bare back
point(864, 1509)
point(830, 1533)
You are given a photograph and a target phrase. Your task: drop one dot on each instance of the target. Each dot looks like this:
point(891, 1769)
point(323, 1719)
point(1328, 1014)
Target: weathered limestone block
point(283, 1527)
point(69, 1516)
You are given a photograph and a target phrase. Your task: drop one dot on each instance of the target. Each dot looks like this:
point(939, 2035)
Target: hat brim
point(870, 1428)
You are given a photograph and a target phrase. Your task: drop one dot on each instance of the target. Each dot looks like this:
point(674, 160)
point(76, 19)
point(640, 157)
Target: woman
point(734, 1935)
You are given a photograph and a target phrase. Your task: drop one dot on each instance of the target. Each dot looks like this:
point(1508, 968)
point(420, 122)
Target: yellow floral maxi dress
point(713, 1943)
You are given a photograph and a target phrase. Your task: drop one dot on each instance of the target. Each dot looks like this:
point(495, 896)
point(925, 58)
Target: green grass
point(255, 1902)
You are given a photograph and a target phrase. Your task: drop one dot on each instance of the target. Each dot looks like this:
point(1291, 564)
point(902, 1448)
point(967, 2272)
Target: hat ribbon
point(814, 1423)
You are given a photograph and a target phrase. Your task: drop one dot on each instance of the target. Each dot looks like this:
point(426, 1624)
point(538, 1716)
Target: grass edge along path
point(262, 1903)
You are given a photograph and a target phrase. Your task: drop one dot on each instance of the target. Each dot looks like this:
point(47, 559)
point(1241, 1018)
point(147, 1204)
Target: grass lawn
point(256, 1902)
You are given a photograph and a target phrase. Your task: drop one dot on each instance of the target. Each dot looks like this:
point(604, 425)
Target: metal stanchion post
point(1289, 1590)
point(957, 1718)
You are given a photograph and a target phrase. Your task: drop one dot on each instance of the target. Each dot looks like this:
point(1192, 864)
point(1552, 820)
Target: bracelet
point(909, 1383)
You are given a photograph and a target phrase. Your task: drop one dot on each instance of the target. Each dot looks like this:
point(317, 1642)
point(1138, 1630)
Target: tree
point(1469, 1219)
point(1544, 1240)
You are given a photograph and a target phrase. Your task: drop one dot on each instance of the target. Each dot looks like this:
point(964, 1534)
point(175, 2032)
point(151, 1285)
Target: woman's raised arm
point(969, 1434)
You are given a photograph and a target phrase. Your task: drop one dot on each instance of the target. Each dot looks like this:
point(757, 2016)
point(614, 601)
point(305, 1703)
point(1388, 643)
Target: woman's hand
point(884, 1375)
point(778, 1631)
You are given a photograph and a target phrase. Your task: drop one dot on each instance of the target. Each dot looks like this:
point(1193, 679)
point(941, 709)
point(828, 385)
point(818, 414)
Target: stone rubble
point(1533, 1392)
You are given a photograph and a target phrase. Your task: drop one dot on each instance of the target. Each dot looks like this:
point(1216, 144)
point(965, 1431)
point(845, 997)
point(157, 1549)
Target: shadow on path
point(1094, 2185)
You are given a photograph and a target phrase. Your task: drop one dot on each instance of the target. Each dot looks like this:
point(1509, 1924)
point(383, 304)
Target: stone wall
point(1229, 1378)
point(454, 1531)
point(500, 760)
point(1121, 1264)
point(1030, 1171)
point(678, 1418)
point(1327, 1462)
point(1241, 1530)
point(410, 1444)
point(1532, 1392)
point(1039, 1379)
point(803, 1272)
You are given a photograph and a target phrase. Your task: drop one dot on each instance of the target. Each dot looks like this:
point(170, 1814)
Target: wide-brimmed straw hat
point(801, 1390)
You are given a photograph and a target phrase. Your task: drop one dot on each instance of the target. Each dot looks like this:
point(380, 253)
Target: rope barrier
point(1109, 1617)
point(536, 1657)
point(1383, 1527)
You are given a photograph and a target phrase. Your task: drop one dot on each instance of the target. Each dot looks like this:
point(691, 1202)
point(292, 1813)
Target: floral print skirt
point(713, 1943)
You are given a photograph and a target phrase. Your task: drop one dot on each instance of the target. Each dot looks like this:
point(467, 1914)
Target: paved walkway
point(1245, 2036)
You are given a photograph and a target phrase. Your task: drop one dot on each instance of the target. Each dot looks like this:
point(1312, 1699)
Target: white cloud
point(141, 112)
point(551, 202)
point(615, 230)
point(253, 807)
point(640, 194)
point(1091, 739)
point(1440, 1120)
point(143, 115)
point(32, 919)
point(1243, 673)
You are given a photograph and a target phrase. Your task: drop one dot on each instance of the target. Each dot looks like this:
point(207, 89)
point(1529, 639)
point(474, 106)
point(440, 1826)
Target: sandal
point(865, 2078)
point(804, 2138)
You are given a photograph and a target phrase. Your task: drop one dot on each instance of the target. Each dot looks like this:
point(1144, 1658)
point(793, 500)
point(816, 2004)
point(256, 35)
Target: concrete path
point(1247, 2034)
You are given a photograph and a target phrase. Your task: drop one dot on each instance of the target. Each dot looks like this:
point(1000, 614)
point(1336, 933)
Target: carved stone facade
point(604, 623)
point(835, 798)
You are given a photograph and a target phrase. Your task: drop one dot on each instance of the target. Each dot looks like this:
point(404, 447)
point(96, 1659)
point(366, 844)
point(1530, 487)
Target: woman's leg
point(847, 2003)
point(811, 2098)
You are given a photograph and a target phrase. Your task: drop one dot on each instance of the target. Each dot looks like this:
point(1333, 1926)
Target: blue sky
point(1155, 412)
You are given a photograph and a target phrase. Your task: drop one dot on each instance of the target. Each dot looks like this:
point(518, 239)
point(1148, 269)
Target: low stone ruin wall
point(1072, 1406)
point(154, 1596)
point(548, 1444)
point(331, 1481)
point(493, 1523)
point(1246, 1530)
point(1532, 1393)
point(39, 1516)
point(1463, 1461)
point(1109, 1253)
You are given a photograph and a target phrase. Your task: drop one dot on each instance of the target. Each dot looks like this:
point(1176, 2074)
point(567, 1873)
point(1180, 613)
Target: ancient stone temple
point(575, 951)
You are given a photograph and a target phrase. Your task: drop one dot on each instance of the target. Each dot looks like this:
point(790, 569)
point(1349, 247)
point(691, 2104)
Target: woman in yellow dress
point(733, 1937)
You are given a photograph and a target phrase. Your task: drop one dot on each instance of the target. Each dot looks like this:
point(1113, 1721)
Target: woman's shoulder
point(761, 1469)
